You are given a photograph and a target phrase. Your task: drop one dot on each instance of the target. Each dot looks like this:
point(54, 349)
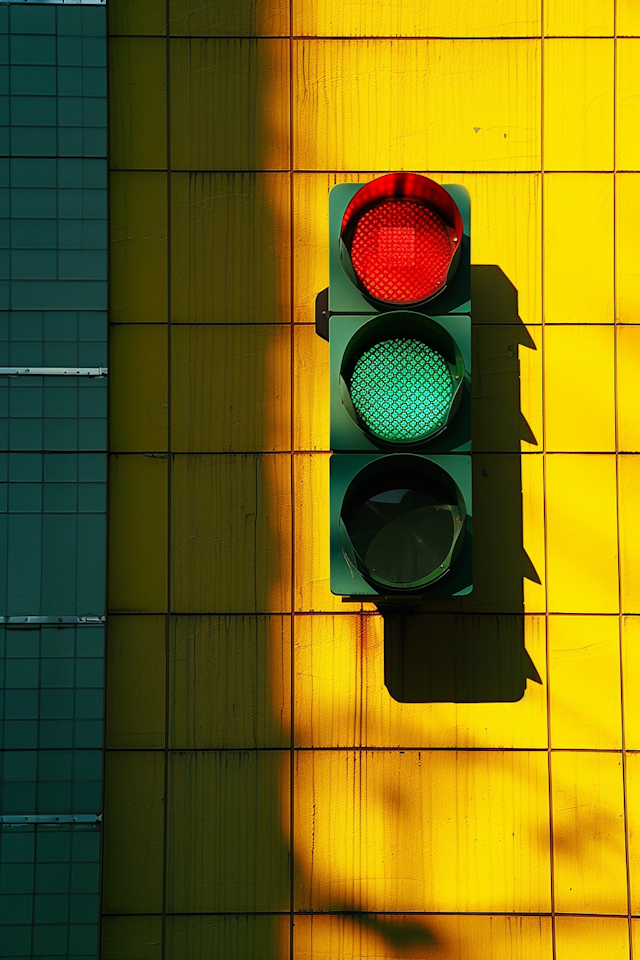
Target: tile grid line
point(365, 612)
point(3, 696)
point(351, 171)
point(544, 488)
point(359, 747)
point(311, 323)
point(59, 14)
point(167, 631)
point(106, 674)
point(438, 37)
point(365, 37)
point(623, 743)
point(37, 837)
point(370, 913)
point(293, 494)
point(324, 452)
point(310, 915)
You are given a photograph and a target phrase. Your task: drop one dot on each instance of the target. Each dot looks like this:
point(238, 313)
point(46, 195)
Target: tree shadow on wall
point(472, 649)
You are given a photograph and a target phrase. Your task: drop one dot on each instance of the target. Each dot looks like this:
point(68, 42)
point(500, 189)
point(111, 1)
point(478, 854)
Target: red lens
point(401, 251)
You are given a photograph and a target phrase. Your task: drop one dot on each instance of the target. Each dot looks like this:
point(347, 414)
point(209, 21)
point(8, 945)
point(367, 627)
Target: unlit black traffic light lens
point(402, 534)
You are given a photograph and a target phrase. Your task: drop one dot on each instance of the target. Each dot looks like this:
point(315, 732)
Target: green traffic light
point(402, 389)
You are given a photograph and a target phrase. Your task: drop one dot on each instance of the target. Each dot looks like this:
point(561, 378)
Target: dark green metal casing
point(355, 322)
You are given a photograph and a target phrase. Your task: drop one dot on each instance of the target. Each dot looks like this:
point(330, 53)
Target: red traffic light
point(402, 232)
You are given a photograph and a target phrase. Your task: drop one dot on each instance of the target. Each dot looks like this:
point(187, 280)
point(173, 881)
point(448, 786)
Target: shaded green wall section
point(53, 303)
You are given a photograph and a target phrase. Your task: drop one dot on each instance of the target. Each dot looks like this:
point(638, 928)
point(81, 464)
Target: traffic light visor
point(403, 525)
point(400, 236)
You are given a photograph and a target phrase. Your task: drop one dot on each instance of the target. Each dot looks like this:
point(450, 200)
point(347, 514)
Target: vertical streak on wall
point(544, 481)
point(618, 373)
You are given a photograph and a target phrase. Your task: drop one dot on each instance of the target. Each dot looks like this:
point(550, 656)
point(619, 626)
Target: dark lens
point(402, 534)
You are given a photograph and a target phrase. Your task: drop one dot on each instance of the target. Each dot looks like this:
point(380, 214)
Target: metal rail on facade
point(52, 621)
point(53, 371)
point(49, 818)
point(68, 3)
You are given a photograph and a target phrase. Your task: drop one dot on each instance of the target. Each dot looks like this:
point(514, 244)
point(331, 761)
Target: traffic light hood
point(400, 239)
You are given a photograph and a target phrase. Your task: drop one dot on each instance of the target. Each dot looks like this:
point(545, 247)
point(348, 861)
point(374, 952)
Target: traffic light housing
point(397, 312)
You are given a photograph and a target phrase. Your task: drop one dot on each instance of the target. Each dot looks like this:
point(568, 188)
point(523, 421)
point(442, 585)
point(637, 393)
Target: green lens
point(402, 389)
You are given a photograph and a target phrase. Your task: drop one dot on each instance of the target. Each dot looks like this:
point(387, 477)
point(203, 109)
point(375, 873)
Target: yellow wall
point(258, 769)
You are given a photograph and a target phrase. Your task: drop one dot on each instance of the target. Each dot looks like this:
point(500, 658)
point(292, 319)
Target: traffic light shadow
point(472, 649)
point(458, 658)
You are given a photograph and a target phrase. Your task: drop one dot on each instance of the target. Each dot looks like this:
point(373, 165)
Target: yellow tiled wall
point(267, 798)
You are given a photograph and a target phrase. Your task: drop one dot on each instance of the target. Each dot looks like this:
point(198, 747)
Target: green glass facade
point(53, 396)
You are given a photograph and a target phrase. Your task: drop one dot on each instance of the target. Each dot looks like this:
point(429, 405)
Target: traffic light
point(397, 315)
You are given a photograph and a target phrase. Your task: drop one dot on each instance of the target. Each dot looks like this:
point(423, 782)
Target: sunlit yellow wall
point(258, 771)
